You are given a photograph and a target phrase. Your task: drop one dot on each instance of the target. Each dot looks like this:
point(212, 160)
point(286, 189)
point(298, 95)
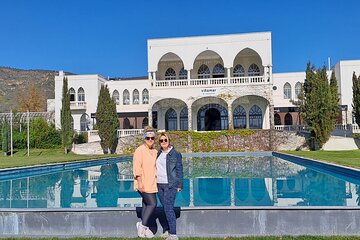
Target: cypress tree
point(334, 97)
point(65, 115)
point(356, 98)
point(107, 121)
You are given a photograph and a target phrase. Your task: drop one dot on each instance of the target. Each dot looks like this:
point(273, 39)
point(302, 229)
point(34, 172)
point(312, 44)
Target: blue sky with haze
point(109, 37)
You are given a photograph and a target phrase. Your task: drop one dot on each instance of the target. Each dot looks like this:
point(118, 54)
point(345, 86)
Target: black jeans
point(148, 206)
point(167, 198)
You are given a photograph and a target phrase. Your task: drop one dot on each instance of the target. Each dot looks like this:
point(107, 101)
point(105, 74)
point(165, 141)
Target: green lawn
point(346, 158)
point(43, 156)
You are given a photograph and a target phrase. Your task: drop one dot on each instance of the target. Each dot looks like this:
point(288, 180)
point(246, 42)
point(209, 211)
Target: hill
point(12, 81)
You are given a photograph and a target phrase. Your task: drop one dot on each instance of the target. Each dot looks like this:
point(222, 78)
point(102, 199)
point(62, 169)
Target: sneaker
point(140, 230)
point(172, 237)
point(164, 235)
point(147, 232)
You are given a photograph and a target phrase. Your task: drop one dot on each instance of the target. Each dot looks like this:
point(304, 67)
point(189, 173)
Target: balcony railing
point(211, 81)
point(77, 105)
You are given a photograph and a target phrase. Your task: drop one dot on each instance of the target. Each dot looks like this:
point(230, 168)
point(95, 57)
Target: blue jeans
point(167, 198)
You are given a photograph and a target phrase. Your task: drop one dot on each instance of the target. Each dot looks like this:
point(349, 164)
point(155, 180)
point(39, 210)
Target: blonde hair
point(165, 135)
point(149, 129)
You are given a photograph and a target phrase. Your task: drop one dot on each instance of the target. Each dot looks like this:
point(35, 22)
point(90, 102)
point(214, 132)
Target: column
point(189, 118)
point(188, 76)
point(271, 116)
point(178, 119)
point(150, 122)
point(230, 117)
point(228, 74)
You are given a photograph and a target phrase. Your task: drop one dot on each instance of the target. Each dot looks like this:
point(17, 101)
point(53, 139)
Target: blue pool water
point(209, 181)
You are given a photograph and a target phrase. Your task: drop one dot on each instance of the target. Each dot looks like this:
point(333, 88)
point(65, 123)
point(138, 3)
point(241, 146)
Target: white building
point(202, 83)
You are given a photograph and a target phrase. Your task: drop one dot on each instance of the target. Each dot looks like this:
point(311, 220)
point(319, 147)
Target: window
point(84, 122)
point(183, 74)
point(203, 72)
point(170, 74)
point(116, 97)
point(287, 91)
point(253, 70)
point(184, 119)
point(170, 120)
point(126, 123)
point(277, 119)
point(126, 97)
point(239, 117)
point(255, 117)
point(145, 96)
point(145, 122)
point(288, 119)
point(135, 96)
point(218, 71)
point(72, 95)
point(239, 71)
point(81, 95)
point(297, 89)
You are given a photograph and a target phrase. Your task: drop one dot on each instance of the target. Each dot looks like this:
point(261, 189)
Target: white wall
point(279, 80)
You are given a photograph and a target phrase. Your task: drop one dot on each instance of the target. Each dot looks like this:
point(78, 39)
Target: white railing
point(211, 81)
point(129, 132)
point(77, 105)
point(294, 128)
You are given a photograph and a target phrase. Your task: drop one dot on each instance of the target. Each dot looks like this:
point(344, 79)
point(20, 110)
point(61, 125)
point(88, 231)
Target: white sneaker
point(164, 235)
point(147, 232)
point(140, 230)
point(172, 237)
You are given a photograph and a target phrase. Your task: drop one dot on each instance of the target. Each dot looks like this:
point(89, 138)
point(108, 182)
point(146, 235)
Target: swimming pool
point(223, 180)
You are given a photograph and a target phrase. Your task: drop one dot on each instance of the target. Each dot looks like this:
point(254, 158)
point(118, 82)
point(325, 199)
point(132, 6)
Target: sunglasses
point(150, 138)
point(163, 140)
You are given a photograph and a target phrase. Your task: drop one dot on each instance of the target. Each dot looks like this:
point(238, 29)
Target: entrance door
point(212, 120)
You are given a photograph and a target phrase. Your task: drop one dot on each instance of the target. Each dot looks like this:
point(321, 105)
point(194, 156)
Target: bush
point(356, 135)
point(81, 138)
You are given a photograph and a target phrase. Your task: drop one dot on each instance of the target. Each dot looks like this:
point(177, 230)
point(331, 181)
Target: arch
point(72, 94)
point(170, 74)
point(135, 96)
point(184, 119)
point(287, 91)
point(239, 117)
point(84, 122)
point(126, 97)
point(277, 119)
point(116, 97)
point(203, 72)
point(288, 119)
point(126, 123)
point(183, 74)
point(81, 95)
point(255, 117)
point(212, 117)
point(145, 96)
point(298, 86)
point(247, 56)
point(253, 70)
point(238, 71)
point(145, 122)
point(218, 71)
point(170, 120)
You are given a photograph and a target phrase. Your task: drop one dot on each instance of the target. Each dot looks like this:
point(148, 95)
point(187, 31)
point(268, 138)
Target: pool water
point(208, 181)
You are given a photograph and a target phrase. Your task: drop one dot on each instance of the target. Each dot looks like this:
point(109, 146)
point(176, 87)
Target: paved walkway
point(340, 143)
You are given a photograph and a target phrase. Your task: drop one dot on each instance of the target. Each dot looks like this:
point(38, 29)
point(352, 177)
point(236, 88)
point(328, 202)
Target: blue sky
point(109, 37)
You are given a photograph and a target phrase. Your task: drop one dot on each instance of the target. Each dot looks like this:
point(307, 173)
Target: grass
point(349, 158)
point(43, 156)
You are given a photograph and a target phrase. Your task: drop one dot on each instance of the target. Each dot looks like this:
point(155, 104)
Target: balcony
point(253, 80)
point(77, 105)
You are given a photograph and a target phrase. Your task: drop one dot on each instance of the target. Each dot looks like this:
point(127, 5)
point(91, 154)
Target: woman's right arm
point(137, 169)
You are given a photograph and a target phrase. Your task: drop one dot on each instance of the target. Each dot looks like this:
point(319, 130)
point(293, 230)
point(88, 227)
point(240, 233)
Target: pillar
point(150, 122)
point(230, 117)
point(189, 118)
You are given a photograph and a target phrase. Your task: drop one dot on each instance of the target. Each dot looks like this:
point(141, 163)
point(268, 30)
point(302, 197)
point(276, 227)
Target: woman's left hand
point(178, 189)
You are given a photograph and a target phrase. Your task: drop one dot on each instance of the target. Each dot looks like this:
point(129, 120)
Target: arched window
point(203, 72)
point(255, 117)
point(126, 123)
point(84, 122)
point(170, 120)
point(218, 71)
point(116, 97)
point(183, 74)
point(288, 119)
point(277, 119)
point(184, 119)
point(287, 91)
point(170, 74)
point(81, 95)
point(239, 117)
point(239, 71)
point(145, 122)
point(254, 70)
point(145, 96)
point(297, 89)
point(72, 95)
point(126, 97)
point(135, 96)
